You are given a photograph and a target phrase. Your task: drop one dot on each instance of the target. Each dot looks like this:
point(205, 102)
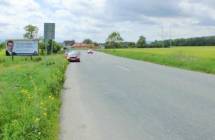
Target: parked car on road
point(74, 56)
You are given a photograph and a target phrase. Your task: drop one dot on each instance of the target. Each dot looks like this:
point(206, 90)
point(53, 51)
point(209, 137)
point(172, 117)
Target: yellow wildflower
point(37, 119)
point(45, 114)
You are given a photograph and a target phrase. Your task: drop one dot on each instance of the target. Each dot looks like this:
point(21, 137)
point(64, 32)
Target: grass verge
point(30, 97)
point(192, 58)
point(1, 52)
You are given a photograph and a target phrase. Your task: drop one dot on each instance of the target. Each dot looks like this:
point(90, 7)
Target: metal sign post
point(49, 36)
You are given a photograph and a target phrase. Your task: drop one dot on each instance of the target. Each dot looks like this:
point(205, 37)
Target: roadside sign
point(49, 31)
point(49, 35)
point(22, 47)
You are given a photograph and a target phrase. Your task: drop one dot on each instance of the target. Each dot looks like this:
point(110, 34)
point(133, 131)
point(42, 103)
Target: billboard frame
point(21, 54)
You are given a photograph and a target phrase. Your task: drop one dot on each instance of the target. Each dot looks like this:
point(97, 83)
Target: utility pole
point(170, 36)
point(162, 35)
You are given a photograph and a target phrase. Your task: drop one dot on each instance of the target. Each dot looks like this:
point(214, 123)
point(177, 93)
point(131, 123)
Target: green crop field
point(30, 97)
point(192, 58)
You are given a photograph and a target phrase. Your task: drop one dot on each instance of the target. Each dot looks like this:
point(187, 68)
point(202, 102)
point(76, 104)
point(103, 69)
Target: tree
point(31, 32)
point(114, 37)
point(141, 42)
point(88, 41)
point(114, 40)
point(96, 44)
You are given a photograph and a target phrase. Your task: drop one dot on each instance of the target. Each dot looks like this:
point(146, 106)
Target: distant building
point(68, 43)
point(79, 45)
point(83, 46)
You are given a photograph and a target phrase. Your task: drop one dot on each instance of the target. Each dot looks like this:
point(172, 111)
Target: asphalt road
point(112, 98)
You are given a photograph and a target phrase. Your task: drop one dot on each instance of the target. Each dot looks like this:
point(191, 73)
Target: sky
point(96, 19)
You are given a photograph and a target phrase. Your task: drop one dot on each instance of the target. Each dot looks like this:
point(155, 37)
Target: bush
point(42, 48)
point(57, 47)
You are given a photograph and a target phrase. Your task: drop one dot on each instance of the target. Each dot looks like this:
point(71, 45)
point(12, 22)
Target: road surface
point(112, 98)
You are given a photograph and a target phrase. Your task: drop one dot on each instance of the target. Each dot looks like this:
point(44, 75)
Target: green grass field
point(1, 52)
point(192, 58)
point(30, 97)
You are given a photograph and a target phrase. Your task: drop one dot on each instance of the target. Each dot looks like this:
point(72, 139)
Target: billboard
point(22, 47)
point(49, 31)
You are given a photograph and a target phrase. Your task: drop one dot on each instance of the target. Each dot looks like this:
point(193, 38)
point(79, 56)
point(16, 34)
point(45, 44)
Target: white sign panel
point(22, 47)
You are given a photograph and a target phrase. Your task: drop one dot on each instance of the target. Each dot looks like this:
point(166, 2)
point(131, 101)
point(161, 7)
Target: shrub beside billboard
point(22, 47)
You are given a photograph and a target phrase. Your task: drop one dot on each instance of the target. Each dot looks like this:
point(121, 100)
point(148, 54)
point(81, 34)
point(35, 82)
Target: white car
point(90, 51)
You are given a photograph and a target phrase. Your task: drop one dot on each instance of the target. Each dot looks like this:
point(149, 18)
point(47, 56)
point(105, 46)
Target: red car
point(73, 56)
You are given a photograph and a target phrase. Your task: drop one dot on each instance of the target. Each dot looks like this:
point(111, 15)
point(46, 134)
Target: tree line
point(197, 41)
point(115, 40)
